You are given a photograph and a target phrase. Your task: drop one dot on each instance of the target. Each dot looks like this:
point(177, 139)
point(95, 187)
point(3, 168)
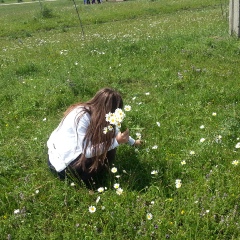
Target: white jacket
point(65, 143)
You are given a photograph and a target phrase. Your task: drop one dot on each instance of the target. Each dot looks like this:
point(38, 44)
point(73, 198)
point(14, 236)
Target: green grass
point(180, 53)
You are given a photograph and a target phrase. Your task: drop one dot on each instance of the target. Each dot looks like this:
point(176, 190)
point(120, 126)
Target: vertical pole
point(234, 17)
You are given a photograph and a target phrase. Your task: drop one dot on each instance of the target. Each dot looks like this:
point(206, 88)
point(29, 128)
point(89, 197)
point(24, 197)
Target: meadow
point(176, 66)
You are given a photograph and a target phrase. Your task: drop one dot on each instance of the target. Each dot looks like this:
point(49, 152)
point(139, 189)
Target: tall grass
point(175, 64)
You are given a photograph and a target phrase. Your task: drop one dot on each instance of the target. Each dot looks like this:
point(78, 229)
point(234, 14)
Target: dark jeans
point(77, 172)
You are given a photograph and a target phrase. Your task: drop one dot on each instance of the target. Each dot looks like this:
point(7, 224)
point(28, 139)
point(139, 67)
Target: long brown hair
point(105, 100)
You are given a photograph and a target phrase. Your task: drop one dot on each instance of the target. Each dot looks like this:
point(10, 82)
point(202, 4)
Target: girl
point(79, 146)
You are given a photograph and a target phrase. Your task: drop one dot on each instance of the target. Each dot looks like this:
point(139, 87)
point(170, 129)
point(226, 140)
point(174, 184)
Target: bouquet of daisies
point(116, 118)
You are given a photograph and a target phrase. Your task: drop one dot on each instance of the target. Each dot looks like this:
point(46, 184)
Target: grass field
point(175, 65)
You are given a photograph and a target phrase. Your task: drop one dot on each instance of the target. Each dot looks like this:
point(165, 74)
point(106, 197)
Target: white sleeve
point(131, 141)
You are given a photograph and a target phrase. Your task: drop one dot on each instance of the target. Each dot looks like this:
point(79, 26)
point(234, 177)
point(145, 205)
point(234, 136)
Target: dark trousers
point(76, 171)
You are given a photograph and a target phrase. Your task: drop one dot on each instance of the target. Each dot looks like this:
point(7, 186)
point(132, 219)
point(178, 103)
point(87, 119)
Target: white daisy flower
point(118, 125)
point(16, 211)
point(105, 130)
point(119, 191)
point(183, 162)
point(154, 172)
point(127, 108)
point(235, 162)
point(114, 170)
point(100, 190)
point(149, 216)
point(138, 135)
point(178, 183)
point(237, 145)
point(98, 199)
point(112, 120)
point(92, 209)
point(110, 128)
point(107, 117)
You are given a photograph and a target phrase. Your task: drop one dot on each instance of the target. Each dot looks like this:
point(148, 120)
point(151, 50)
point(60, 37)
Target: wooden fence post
point(234, 20)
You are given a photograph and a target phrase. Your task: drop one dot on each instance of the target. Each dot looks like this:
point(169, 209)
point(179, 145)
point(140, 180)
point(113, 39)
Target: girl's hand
point(123, 137)
point(138, 143)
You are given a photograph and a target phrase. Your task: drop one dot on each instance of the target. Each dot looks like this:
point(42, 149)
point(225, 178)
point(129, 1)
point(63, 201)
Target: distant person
point(81, 145)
